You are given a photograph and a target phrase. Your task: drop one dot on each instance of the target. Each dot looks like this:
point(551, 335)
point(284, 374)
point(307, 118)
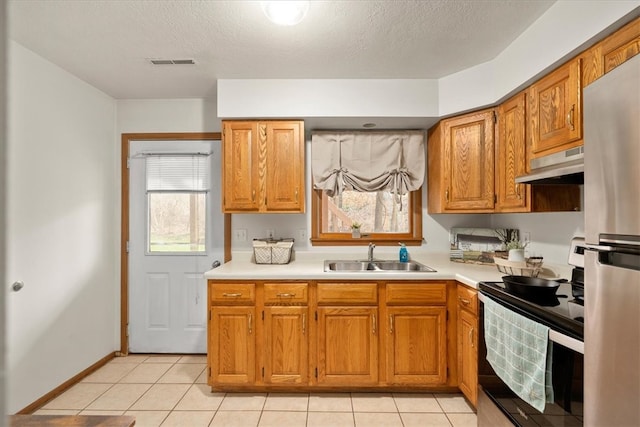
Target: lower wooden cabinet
point(347, 346)
point(416, 347)
point(331, 335)
point(286, 345)
point(232, 345)
point(468, 342)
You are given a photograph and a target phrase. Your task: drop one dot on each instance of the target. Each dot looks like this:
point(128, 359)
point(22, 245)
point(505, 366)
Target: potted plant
point(516, 249)
point(355, 230)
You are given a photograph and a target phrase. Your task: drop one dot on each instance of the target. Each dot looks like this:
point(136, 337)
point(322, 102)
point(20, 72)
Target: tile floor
point(172, 391)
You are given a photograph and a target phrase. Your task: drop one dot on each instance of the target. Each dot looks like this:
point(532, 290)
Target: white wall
point(60, 229)
point(3, 110)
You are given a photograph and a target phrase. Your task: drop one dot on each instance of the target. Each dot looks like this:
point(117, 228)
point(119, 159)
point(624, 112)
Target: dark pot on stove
point(531, 287)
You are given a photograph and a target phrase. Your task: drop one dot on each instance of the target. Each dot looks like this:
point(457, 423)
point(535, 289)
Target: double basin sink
point(380, 266)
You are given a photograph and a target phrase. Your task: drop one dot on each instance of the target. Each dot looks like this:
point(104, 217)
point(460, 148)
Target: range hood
point(565, 167)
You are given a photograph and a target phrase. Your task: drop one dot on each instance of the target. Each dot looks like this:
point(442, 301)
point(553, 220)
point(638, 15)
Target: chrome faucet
point(372, 246)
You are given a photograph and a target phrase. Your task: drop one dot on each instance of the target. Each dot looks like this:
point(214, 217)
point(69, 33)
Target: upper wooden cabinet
point(555, 111)
point(512, 160)
point(614, 50)
point(511, 156)
point(263, 166)
point(460, 154)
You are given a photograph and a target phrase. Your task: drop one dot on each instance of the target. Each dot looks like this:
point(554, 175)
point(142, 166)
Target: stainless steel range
point(563, 313)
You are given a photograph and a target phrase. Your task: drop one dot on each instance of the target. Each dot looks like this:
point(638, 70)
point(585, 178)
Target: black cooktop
point(562, 313)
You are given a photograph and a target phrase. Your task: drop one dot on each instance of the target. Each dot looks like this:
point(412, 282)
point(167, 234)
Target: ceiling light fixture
point(285, 12)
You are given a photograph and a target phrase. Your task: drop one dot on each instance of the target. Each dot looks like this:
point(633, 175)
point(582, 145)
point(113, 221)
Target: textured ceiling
point(108, 43)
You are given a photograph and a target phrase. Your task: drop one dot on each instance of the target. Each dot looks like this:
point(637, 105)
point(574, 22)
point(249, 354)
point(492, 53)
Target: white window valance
point(367, 161)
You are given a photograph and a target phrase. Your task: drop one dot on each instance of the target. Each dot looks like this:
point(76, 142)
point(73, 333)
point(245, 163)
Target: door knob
point(17, 285)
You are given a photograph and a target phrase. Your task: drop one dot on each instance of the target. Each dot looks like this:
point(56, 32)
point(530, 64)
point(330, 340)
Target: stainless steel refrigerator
point(612, 262)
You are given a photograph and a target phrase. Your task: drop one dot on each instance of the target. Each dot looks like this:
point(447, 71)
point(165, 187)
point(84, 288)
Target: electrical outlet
point(270, 233)
point(302, 234)
point(240, 234)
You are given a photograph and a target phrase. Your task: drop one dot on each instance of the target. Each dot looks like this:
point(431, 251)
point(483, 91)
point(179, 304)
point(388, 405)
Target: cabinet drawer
point(347, 293)
point(232, 293)
point(468, 299)
point(416, 293)
point(285, 293)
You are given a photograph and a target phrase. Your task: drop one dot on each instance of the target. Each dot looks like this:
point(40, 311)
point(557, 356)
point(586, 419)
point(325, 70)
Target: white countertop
point(310, 266)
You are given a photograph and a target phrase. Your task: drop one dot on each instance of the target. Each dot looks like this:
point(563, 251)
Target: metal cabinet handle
point(253, 196)
point(250, 323)
point(391, 323)
point(232, 294)
point(464, 301)
point(296, 194)
point(446, 195)
point(471, 337)
point(570, 117)
point(285, 295)
point(374, 324)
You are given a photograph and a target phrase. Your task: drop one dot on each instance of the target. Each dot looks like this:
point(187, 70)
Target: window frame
point(411, 238)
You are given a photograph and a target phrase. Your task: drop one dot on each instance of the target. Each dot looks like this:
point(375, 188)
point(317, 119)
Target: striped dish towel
point(519, 351)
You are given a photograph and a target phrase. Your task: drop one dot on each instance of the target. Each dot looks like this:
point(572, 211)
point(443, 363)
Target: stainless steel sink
point(379, 266)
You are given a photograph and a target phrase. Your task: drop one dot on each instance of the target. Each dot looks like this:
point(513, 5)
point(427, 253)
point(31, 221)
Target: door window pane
point(177, 222)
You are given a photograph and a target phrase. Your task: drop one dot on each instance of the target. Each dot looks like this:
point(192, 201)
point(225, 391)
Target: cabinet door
point(284, 178)
point(556, 113)
point(468, 354)
point(241, 190)
point(511, 156)
point(286, 345)
point(347, 346)
point(469, 162)
point(417, 345)
point(232, 345)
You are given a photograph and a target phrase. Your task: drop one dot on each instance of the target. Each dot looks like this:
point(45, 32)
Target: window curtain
point(184, 173)
point(368, 161)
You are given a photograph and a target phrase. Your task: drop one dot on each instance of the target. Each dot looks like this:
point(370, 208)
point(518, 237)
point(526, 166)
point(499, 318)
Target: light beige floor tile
point(146, 373)
point(330, 402)
point(194, 358)
point(235, 419)
point(161, 397)
point(78, 397)
point(56, 412)
point(202, 379)
point(132, 358)
point(283, 418)
point(377, 419)
point(119, 397)
point(110, 373)
point(465, 420)
point(333, 419)
point(425, 420)
point(148, 418)
point(162, 359)
point(200, 398)
point(453, 403)
point(287, 402)
point(188, 418)
point(416, 402)
point(110, 413)
point(373, 402)
point(243, 402)
point(182, 373)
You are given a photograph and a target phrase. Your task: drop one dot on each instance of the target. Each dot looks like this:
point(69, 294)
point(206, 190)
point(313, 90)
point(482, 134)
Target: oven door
point(499, 406)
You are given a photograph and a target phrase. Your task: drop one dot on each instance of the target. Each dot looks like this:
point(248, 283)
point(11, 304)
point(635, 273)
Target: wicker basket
point(531, 267)
point(271, 251)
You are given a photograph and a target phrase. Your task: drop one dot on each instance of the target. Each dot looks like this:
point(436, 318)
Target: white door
point(175, 234)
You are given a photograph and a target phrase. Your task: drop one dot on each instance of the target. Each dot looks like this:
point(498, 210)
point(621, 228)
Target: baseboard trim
point(65, 386)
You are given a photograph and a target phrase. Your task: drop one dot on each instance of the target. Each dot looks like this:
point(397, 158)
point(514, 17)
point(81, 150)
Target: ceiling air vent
point(172, 61)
